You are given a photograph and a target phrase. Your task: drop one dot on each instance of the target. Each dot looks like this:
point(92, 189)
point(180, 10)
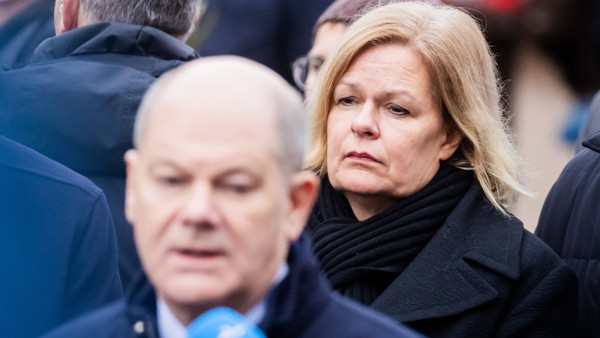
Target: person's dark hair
point(347, 11)
point(174, 17)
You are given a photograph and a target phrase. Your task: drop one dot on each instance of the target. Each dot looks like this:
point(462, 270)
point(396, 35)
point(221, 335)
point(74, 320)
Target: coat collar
point(140, 300)
point(442, 279)
point(116, 38)
point(291, 305)
point(295, 302)
point(593, 142)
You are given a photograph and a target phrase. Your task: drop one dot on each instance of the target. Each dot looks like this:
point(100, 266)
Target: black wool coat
point(483, 275)
point(570, 224)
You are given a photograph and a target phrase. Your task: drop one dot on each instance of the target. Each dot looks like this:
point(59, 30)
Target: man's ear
point(69, 15)
point(131, 159)
point(451, 143)
point(304, 188)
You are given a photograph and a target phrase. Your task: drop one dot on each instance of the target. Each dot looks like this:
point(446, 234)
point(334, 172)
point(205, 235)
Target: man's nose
point(199, 208)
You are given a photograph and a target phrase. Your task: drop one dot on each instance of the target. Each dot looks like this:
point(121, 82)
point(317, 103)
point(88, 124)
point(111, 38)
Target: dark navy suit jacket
point(58, 251)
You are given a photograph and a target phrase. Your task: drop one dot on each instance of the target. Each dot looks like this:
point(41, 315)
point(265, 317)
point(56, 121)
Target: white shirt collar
point(170, 327)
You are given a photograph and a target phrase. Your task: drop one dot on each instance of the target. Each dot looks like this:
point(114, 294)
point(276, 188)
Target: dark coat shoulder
point(483, 275)
point(570, 224)
point(58, 251)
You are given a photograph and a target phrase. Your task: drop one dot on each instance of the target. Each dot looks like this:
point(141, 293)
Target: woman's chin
point(359, 183)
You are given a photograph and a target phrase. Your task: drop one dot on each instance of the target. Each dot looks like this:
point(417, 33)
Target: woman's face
point(385, 133)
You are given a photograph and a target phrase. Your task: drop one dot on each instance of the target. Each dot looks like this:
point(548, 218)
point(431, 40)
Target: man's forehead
point(216, 112)
point(216, 96)
point(219, 96)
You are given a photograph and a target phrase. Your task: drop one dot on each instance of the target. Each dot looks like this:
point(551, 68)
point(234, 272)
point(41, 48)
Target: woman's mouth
point(361, 156)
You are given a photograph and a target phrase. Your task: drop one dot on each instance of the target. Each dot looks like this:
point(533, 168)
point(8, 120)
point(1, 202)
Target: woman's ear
point(453, 138)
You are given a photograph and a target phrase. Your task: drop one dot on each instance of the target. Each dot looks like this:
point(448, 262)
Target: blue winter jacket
point(76, 103)
point(58, 251)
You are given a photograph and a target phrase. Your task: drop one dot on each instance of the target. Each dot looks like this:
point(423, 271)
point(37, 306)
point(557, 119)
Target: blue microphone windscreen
point(223, 322)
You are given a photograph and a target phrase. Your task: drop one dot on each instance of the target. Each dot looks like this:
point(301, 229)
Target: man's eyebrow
point(238, 170)
point(166, 163)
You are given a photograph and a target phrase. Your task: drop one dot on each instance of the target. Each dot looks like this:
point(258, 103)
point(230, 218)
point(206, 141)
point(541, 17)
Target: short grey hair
point(175, 17)
point(290, 119)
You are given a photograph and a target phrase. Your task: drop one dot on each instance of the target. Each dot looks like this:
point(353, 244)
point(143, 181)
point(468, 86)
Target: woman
point(417, 170)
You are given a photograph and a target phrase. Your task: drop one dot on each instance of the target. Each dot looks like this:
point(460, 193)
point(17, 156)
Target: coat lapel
point(442, 280)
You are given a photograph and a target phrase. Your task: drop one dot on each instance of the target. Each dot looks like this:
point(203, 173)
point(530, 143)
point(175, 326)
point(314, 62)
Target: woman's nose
point(366, 123)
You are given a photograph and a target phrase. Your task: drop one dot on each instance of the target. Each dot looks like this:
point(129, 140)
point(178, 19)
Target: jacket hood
point(593, 142)
point(117, 38)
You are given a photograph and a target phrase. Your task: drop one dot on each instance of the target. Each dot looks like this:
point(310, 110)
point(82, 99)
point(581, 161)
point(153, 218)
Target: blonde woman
point(417, 170)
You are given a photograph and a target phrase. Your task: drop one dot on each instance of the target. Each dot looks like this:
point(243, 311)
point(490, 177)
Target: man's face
point(327, 38)
point(209, 204)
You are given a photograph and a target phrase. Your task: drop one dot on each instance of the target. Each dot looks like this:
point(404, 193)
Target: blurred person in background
point(76, 102)
point(570, 224)
point(417, 170)
point(58, 251)
point(592, 123)
point(273, 33)
point(23, 25)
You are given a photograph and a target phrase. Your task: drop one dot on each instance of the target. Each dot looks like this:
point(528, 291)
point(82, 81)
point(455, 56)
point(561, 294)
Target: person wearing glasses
point(327, 33)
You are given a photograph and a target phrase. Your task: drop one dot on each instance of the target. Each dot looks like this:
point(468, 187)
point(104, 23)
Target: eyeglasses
point(303, 66)
point(300, 71)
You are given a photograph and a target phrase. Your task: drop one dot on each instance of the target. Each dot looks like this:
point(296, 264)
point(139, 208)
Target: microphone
point(223, 322)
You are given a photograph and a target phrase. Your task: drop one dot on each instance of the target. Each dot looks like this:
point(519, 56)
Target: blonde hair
point(464, 79)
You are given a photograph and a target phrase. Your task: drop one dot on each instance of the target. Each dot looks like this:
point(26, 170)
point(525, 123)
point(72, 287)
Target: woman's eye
point(346, 101)
point(398, 110)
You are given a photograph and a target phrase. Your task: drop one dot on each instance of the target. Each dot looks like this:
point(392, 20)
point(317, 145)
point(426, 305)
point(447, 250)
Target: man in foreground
point(218, 201)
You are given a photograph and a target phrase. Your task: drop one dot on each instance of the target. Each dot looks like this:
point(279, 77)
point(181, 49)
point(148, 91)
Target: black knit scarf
point(361, 258)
